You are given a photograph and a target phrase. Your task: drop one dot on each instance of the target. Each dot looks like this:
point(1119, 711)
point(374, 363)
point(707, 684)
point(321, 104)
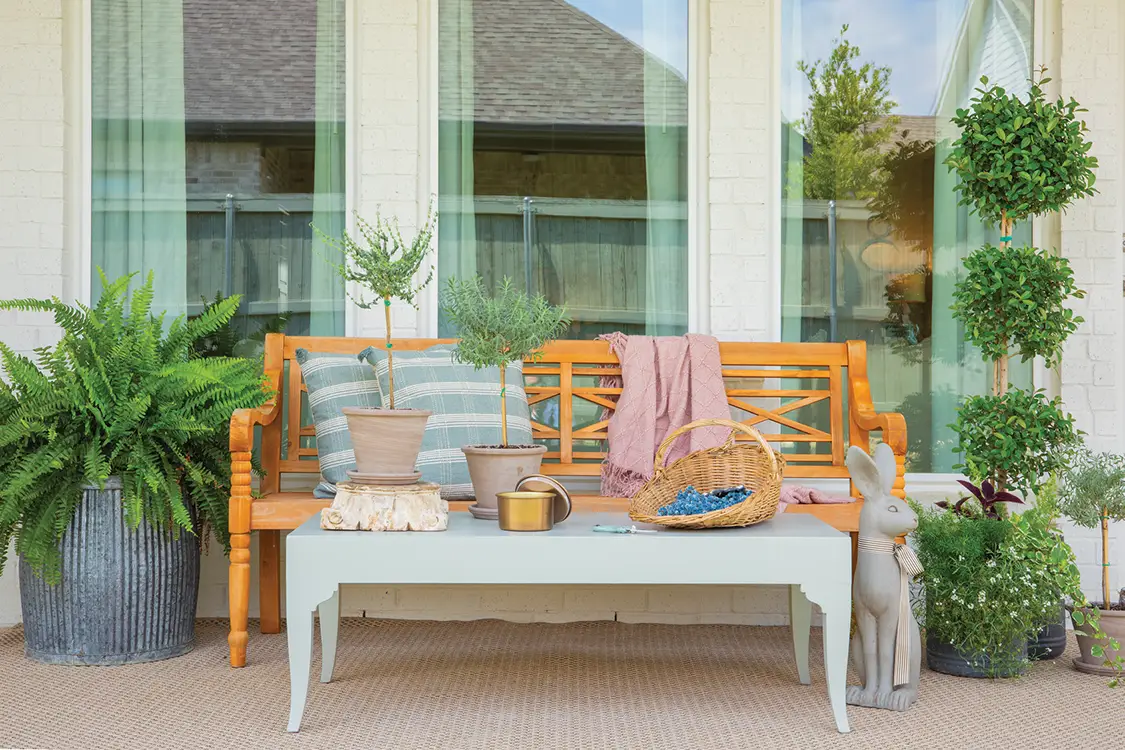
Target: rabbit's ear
point(864, 473)
point(888, 468)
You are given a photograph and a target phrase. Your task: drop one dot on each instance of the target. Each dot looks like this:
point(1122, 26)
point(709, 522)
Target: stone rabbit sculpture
point(886, 649)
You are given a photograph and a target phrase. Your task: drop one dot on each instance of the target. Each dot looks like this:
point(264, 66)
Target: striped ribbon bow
point(908, 567)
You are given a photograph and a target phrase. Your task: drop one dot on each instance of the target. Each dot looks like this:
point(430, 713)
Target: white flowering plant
point(992, 582)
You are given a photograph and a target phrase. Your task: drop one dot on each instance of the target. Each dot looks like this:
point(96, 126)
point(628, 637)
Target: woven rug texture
point(498, 685)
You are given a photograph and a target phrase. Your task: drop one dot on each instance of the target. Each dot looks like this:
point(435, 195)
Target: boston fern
point(121, 394)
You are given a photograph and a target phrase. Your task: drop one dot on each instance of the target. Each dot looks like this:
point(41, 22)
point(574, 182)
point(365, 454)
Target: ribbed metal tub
point(126, 596)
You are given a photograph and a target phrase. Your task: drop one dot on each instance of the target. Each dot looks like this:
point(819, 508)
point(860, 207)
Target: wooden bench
point(811, 400)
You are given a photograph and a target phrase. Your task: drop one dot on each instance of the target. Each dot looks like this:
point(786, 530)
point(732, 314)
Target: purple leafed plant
point(986, 494)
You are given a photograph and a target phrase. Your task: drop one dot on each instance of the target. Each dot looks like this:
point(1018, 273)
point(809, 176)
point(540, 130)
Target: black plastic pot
point(944, 658)
point(1050, 642)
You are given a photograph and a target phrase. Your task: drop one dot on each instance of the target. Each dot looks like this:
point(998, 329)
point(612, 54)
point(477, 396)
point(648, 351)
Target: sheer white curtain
point(326, 314)
point(665, 128)
point(139, 220)
point(456, 173)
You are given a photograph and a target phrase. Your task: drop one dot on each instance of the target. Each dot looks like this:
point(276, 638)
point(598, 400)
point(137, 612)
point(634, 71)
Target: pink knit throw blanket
point(666, 383)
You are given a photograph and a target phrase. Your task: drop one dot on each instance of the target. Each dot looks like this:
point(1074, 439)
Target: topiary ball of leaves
point(1017, 296)
point(1015, 440)
point(1024, 157)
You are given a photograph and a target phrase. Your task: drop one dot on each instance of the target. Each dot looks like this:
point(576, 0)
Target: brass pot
point(526, 511)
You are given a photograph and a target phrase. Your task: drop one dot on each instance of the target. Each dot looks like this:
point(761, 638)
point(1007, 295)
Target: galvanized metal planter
point(126, 596)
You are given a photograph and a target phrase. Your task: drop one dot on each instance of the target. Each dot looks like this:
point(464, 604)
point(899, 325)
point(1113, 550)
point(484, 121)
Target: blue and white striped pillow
point(466, 409)
point(335, 381)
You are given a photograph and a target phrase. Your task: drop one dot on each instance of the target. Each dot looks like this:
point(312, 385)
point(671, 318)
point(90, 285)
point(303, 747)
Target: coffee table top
point(581, 526)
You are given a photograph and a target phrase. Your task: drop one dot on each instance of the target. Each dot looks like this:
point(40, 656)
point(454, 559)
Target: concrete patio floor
point(491, 684)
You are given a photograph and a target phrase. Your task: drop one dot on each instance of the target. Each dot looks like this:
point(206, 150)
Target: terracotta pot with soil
point(494, 469)
point(386, 443)
point(1112, 622)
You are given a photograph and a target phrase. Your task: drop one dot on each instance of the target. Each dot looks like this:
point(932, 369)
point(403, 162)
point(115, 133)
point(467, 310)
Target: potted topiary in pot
point(386, 441)
point(496, 331)
point(112, 463)
point(1093, 494)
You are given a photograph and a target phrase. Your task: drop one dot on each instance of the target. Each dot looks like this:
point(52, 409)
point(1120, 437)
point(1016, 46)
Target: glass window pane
point(872, 236)
point(563, 156)
point(218, 138)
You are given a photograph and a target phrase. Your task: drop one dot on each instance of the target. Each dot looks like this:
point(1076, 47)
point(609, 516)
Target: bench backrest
point(795, 394)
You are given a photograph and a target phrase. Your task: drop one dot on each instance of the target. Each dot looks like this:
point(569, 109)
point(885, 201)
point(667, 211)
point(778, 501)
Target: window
point(218, 138)
point(563, 155)
point(872, 236)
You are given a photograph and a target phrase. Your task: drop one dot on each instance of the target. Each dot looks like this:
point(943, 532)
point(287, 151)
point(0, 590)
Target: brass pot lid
point(541, 483)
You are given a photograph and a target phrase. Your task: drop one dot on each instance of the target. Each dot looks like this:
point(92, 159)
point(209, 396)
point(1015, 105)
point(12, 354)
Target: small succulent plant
point(986, 494)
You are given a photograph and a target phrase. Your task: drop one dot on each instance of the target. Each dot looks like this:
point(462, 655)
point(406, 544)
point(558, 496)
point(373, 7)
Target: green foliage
point(991, 582)
point(1023, 157)
point(905, 202)
point(848, 120)
point(981, 595)
point(228, 340)
point(385, 264)
point(1017, 296)
point(1093, 485)
point(1013, 440)
point(499, 329)
point(117, 396)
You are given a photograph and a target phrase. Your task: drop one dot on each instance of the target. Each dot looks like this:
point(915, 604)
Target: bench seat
point(810, 400)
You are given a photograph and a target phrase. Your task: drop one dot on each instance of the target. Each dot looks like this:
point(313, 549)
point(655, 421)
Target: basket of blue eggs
point(735, 484)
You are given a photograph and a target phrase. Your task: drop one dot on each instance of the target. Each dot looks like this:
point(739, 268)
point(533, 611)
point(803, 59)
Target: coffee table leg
point(800, 623)
point(329, 631)
point(299, 624)
point(837, 619)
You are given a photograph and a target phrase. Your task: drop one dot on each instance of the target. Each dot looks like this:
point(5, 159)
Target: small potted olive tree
point(497, 331)
point(1093, 494)
point(386, 441)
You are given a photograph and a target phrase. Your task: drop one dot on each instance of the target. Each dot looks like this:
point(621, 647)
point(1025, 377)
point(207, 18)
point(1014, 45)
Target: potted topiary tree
point(1093, 494)
point(386, 441)
point(497, 331)
point(1017, 158)
point(112, 464)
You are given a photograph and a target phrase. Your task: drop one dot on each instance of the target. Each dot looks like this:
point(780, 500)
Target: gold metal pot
point(526, 511)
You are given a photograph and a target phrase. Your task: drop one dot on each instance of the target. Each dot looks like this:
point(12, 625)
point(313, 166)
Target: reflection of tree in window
point(848, 122)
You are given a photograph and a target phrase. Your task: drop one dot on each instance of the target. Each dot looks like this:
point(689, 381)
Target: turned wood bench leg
point(239, 598)
point(269, 580)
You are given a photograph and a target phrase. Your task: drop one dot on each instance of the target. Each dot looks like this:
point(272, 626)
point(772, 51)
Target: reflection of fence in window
point(270, 255)
point(592, 255)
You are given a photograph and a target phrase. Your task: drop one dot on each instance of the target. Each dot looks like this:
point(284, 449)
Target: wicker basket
point(754, 465)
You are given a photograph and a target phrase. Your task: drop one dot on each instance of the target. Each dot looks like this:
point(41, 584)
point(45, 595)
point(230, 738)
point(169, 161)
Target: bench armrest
point(243, 421)
point(864, 418)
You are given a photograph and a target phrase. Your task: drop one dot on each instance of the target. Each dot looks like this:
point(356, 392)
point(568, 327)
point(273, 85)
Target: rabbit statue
point(886, 649)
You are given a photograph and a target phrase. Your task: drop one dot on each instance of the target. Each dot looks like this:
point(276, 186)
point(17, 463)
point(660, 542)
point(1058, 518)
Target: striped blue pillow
point(466, 409)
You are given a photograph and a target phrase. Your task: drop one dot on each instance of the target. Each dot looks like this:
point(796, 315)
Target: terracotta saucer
point(384, 478)
point(485, 514)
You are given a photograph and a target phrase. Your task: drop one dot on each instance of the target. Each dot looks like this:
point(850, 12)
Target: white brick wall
point(743, 292)
point(32, 184)
point(1091, 71)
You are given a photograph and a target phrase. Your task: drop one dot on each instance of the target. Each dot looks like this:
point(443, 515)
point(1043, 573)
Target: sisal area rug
point(489, 684)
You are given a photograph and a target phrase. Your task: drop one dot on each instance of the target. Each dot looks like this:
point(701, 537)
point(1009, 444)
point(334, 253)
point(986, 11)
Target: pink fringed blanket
point(666, 383)
point(792, 495)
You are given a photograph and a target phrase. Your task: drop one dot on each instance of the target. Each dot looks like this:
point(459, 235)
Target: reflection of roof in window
point(536, 62)
point(546, 62)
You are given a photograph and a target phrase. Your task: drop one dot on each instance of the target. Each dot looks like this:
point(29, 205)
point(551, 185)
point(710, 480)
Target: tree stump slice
point(368, 507)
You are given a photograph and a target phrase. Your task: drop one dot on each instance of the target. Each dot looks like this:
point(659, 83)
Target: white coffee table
point(798, 550)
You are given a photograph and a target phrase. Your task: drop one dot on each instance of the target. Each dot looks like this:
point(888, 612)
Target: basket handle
point(662, 451)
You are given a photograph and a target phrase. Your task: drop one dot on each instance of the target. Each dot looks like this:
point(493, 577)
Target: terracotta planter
point(386, 441)
point(494, 470)
point(1113, 625)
